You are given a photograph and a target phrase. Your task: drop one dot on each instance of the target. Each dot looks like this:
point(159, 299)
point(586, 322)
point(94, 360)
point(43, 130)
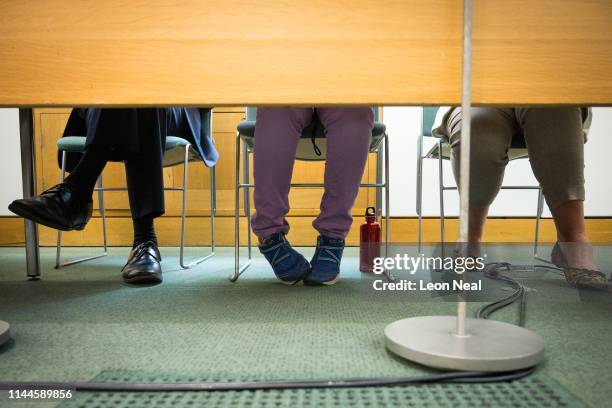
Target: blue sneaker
point(325, 262)
point(289, 266)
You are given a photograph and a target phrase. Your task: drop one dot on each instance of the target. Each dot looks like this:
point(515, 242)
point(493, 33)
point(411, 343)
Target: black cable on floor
point(492, 271)
point(452, 377)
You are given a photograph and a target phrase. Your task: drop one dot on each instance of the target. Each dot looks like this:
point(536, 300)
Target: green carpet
point(81, 321)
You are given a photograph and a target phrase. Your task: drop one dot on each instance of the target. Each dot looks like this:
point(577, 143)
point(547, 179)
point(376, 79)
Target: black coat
point(130, 131)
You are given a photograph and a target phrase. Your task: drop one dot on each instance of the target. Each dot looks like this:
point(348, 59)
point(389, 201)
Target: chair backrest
point(206, 120)
point(429, 117)
point(251, 113)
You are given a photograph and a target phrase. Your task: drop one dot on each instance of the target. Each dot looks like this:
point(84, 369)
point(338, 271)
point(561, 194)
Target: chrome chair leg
point(388, 274)
point(247, 197)
point(441, 185)
point(419, 192)
point(213, 206)
point(238, 270)
point(184, 216)
point(58, 246)
point(387, 204)
point(102, 209)
point(536, 242)
point(382, 160)
point(58, 249)
point(184, 188)
point(379, 182)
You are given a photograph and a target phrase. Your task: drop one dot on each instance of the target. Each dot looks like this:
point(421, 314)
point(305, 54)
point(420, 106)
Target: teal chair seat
point(73, 144)
point(77, 143)
point(174, 149)
point(172, 142)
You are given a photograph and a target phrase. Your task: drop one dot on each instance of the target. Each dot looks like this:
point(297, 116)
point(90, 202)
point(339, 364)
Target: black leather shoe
point(58, 207)
point(143, 265)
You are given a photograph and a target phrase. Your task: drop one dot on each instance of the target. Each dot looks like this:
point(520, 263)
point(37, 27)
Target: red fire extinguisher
point(369, 241)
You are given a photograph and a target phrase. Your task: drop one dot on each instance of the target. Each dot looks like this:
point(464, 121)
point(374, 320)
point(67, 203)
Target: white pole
point(464, 176)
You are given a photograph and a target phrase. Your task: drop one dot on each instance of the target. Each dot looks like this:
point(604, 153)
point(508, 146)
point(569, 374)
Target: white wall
point(10, 159)
point(403, 124)
point(598, 158)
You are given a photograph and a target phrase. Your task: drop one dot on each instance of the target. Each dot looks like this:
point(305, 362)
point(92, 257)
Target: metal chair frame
point(101, 189)
point(443, 188)
point(381, 150)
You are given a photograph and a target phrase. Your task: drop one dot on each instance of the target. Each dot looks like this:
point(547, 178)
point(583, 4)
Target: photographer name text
point(420, 285)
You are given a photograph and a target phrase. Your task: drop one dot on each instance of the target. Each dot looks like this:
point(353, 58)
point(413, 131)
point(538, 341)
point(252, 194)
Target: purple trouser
point(277, 132)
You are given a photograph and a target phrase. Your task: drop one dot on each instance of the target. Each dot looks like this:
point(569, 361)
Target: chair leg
point(441, 185)
point(247, 197)
point(182, 239)
point(387, 206)
point(58, 262)
point(184, 217)
point(236, 273)
point(237, 268)
point(387, 212)
point(58, 248)
point(213, 206)
point(387, 203)
point(419, 192)
point(102, 210)
point(379, 181)
point(536, 241)
point(213, 195)
point(381, 155)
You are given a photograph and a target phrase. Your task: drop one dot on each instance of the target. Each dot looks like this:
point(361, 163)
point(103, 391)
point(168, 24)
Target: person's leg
point(144, 230)
point(555, 141)
point(144, 174)
point(277, 133)
point(569, 221)
point(144, 261)
point(348, 132)
point(477, 221)
point(144, 169)
point(145, 183)
point(492, 133)
point(85, 175)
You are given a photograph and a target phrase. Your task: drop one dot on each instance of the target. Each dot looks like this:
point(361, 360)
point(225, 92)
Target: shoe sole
point(143, 280)
point(24, 212)
point(326, 283)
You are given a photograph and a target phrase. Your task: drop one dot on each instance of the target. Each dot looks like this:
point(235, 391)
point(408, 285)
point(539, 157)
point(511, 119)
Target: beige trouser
point(555, 142)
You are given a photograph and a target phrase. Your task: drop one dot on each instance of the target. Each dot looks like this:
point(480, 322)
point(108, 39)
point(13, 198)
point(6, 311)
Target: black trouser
point(135, 136)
